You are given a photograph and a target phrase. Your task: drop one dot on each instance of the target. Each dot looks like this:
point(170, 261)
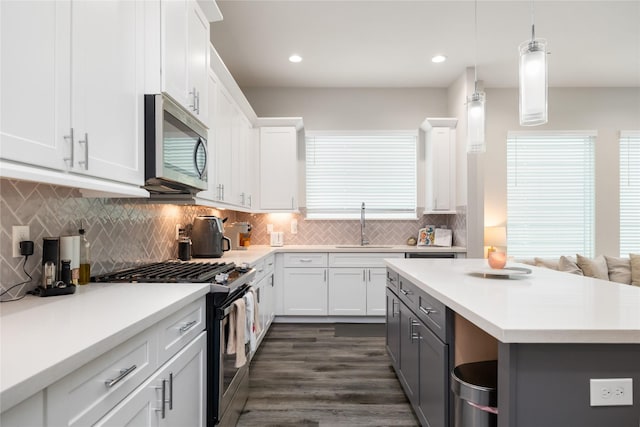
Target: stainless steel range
point(227, 386)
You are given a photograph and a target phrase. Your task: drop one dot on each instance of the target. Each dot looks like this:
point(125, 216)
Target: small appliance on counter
point(277, 238)
point(240, 235)
point(207, 237)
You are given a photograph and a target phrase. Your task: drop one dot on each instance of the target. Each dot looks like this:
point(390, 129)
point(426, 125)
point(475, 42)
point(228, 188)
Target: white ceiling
point(370, 43)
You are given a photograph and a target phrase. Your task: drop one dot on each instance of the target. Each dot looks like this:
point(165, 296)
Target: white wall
point(606, 110)
point(350, 109)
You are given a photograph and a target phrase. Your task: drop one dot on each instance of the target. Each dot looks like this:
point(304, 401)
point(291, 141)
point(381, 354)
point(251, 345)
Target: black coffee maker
point(207, 237)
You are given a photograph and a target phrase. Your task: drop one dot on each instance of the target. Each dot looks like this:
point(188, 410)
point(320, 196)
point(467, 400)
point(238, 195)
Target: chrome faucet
point(363, 240)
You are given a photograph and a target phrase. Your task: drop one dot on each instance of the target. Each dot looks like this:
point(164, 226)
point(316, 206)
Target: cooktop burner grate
point(171, 272)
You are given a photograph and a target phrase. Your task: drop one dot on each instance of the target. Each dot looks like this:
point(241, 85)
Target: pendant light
point(533, 79)
point(475, 103)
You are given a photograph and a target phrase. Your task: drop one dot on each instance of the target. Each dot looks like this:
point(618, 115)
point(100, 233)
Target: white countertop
point(44, 339)
point(255, 252)
point(546, 306)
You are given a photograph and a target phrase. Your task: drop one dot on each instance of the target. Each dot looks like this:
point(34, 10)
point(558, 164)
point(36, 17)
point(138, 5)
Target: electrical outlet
point(611, 391)
point(178, 229)
point(269, 228)
point(18, 234)
point(294, 226)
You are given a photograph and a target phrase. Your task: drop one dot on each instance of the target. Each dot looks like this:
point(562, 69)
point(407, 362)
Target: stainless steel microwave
point(175, 148)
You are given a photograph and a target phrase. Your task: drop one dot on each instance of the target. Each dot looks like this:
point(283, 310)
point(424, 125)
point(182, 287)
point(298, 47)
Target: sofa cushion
point(635, 269)
point(619, 269)
point(546, 263)
point(596, 267)
point(568, 264)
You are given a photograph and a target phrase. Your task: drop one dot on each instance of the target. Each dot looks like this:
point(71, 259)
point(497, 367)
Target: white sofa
point(614, 269)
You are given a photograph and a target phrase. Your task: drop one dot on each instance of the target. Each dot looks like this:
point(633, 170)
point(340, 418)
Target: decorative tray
point(502, 272)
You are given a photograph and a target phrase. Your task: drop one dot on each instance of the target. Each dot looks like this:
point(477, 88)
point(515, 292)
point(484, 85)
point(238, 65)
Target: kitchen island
point(553, 332)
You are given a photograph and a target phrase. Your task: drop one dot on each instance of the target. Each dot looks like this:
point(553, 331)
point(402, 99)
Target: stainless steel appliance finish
point(175, 148)
point(239, 235)
point(207, 237)
point(227, 386)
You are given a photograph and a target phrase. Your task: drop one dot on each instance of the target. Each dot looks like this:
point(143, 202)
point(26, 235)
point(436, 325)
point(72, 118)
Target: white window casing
point(629, 192)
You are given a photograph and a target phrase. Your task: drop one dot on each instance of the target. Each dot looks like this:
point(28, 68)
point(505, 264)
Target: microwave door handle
point(195, 157)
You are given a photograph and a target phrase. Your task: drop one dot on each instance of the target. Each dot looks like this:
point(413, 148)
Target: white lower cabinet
point(173, 396)
point(125, 385)
point(357, 283)
point(305, 291)
point(27, 413)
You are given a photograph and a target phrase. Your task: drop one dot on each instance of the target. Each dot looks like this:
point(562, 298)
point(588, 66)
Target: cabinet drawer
point(305, 260)
point(178, 329)
point(83, 397)
point(433, 313)
point(361, 259)
point(260, 271)
point(393, 280)
point(407, 292)
point(269, 263)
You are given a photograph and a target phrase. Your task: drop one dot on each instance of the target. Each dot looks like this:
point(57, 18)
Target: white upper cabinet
point(35, 92)
point(107, 87)
point(440, 164)
point(184, 54)
point(278, 168)
point(72, 89)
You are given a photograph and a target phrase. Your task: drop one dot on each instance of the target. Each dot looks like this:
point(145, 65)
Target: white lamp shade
point(533, 82)
point(475, 123)
point(495, 236)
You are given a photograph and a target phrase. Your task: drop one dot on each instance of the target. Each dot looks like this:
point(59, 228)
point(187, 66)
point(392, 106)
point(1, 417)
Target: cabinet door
point(239, 132)
point(393, 328)
point(278, 168)
point(434, 378)
point(35, 75)
point(198, 64)
point(347, 292)
point(136, 410)
point(409, 353)
point(107, 89)
point(305, 291)
point(376, 285)
point(441, 167)
point(224, 124)
point(187, 373)
point(174, 47)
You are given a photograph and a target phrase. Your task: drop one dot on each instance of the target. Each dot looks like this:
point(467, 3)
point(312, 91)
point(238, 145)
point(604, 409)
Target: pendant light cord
point(475, 37)
point(533, 26)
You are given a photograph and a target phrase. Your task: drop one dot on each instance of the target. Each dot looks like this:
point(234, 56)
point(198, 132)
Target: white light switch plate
point(611, 391)
point(19, 233)
point(294, 226)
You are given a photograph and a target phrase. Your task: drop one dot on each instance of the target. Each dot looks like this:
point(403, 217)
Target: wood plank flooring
point(303, 375)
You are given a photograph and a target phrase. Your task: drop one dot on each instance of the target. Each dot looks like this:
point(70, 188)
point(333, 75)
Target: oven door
point(228, 386)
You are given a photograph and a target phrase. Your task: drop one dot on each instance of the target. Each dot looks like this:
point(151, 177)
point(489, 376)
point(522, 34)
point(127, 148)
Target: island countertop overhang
point(544, 307)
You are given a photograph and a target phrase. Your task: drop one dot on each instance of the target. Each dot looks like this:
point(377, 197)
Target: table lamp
point(495, 236)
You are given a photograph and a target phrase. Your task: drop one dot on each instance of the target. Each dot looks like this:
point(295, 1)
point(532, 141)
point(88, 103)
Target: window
point(629, 193)
point(345, 169)
point(550, 193)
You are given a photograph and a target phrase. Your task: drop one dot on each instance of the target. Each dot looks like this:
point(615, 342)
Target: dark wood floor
point(303, 375)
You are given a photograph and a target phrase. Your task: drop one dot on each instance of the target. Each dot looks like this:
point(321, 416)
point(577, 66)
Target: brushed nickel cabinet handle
point(69, 137)
point(123, 373)
point(86, 151)
point(171, 391)
point(163, 399)
point(428, 311)
point(188, 326)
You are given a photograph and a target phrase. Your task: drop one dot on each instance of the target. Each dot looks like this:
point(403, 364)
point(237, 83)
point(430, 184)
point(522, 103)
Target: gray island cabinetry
point(552, 333)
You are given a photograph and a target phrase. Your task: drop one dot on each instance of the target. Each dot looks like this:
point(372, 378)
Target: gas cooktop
point(177, 272)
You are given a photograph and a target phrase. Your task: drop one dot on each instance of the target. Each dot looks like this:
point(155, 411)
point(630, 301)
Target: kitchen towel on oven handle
point(236, 339)
point(252, 324)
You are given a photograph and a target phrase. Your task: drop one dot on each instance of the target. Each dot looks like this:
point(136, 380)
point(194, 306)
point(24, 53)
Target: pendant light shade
point(533, 83)
point(475, 123)
point(475, 102)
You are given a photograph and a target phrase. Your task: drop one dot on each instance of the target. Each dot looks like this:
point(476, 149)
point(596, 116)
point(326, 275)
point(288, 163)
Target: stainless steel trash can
point(475, 389)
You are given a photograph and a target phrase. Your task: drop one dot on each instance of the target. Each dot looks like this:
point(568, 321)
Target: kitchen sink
point(362, 246)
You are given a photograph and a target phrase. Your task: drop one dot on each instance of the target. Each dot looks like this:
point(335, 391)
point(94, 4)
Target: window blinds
point(344, 170)
point(550, 193)
point(629, 192)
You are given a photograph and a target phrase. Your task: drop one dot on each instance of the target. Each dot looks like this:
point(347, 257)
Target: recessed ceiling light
point(438, 58)
point(295, 58)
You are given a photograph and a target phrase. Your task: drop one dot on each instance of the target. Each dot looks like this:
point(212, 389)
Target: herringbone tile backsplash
point(124, 232)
